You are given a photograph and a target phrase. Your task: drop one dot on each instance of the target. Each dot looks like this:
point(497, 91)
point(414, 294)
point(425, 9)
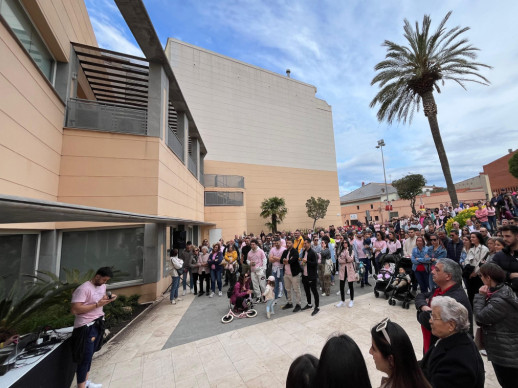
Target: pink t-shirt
point(88, 294)
point(481, 214)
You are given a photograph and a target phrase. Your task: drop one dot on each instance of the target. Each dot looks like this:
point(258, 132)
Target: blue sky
point(334, 45)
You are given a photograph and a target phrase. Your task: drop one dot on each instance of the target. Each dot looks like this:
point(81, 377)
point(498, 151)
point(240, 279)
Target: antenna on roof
point(288, 72)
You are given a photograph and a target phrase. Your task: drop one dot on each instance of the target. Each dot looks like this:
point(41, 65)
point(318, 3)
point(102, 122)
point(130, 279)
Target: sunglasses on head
point(382, 326)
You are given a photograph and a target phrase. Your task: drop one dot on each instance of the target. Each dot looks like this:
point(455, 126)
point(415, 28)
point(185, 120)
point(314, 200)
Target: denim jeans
point(184, 279)
point(174, 287)
point(84, 367)
point(278, 281)
point(215, 275)
point(269, 306)
point(366, 264)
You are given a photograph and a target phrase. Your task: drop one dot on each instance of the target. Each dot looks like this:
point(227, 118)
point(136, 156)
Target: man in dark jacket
point(448, 277)
point(292, 275)
point(309, 275)
point(454, 246)
point(507, 258)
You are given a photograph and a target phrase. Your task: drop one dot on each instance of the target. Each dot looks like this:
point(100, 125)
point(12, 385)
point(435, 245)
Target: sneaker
point(201, 293)
point(332, 283)
point(362, 285)
point(306, 307)
point(287, 306)
point(183, 293)
point(211, 295)
point(323, 294)
point(348, 291)
point(315, 311)
point(179, 299)
point(483, 352)
point(368, 284)
point(207, 293)
point(258, 300)
point(273, 312)
point(90, 384)
point(297, 308)
point(173, 301)
point(220, 293)
point(320, 288)
point(268, 314)
point(340, 304)
point(338, 292)
point(351, 303)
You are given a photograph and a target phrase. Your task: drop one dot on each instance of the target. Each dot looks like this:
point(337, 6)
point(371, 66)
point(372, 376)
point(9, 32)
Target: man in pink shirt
point(87, 305)
point(257, 260)
point(482, 215)
point(277, 267)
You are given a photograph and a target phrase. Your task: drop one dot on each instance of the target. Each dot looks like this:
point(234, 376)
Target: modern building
point(267, 128)
point(102, 160)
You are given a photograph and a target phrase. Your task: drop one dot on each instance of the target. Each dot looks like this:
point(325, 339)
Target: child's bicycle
point(249, 312)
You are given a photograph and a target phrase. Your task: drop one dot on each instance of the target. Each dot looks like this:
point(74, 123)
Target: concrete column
point(49, 252)
point(158, 98)
point(183, 135)
point(196, 155)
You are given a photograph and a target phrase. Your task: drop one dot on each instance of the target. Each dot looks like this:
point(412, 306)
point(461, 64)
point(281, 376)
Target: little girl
point(269, 296)
point(386, 272)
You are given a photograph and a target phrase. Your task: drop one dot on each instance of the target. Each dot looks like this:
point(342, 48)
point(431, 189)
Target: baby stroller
point(245, 310)
point(384, 281)
point(403, 293)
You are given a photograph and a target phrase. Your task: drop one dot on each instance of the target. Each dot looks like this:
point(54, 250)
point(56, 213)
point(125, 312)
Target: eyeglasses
point(382, 327)
point(433, 239)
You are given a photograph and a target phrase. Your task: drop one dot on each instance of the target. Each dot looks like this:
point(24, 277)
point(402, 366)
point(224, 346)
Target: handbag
point(479, 339)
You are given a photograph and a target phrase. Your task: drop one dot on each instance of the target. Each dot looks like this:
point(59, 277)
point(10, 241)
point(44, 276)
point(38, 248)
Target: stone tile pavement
point(254, 352)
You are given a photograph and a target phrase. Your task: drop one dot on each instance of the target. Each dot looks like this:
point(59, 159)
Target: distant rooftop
point(368, 191)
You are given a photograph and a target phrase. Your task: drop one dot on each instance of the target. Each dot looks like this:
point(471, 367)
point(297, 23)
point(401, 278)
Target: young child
point(367, 248)
point(269, 295)
point(386, 272)
point(402, 279)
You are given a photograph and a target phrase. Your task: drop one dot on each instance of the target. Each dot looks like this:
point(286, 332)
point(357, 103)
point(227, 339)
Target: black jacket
point(454, 362)
point(312, 263)
point(453, 250)
point(456, 292)
point(508, 261)
point(293, 260)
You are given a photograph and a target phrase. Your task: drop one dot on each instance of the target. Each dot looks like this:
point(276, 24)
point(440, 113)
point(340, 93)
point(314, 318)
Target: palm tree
point(409, 75)
point(275, 208)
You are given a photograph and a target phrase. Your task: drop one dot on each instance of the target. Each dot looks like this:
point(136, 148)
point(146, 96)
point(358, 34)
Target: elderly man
point(447, 274)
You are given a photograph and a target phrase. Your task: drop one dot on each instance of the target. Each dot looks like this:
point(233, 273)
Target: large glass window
point(17, 258)
point(17, 19)
point(122, 249)
point(223, 198)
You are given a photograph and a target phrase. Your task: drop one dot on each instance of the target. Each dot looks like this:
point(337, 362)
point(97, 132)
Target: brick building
point(499, 175)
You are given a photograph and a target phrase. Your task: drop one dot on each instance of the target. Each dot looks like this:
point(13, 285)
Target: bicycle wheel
point(251, 313)
point(227, 318)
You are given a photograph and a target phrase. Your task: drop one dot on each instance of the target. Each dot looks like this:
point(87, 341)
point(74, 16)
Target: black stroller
point(402, 293)
point(385, 277)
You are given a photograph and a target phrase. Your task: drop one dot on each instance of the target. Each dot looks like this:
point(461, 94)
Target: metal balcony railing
point(192, 166)
point(213, 180)
point(175, 144)
point(106, 117)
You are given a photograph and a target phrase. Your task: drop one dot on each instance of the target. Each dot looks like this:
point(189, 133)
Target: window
point(22, 26)
point(17, 258)
point(372, 206)
point(357, 207)
point(122, 249)
point(376, 218)
point(223, 198)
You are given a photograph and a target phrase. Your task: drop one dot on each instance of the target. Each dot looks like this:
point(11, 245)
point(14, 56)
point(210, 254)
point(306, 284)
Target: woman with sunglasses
point(454, 360)
point(394, 355)
point(214, 262)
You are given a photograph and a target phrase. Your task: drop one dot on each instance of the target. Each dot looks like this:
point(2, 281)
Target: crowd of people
point(466, 275)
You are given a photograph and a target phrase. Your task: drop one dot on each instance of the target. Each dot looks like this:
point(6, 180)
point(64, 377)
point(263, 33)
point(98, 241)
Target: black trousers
point(310, 286)
point(204, 277)
point(195, 277)
point(342, 289)
point(507, 377)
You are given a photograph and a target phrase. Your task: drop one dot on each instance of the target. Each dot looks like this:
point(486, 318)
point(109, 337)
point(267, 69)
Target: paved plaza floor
point(186, 345)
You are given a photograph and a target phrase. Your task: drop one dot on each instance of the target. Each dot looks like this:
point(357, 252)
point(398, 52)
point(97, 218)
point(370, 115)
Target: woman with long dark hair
point(341, 365)
point(346, 272)
point(477, 255)
point(394, 355)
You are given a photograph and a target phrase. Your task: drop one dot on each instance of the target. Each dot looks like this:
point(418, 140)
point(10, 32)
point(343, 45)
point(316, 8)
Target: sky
point(335, 45)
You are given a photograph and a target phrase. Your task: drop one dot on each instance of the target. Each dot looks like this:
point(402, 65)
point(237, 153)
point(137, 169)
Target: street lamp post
point(381, 144)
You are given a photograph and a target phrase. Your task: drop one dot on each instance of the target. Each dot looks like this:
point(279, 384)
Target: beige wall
point(231, 220)
point(31, 122)
point(295, 185)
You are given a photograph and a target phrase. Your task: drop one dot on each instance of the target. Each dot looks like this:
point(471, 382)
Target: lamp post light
point(381, 144)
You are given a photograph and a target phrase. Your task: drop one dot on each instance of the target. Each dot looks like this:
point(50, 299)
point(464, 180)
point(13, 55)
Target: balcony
point(106, 117)
point(192, 166)
point(175, 144)
point(232, 181)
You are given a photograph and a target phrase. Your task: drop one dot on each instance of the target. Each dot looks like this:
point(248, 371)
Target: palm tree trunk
point(314, 222)
point(274, 223)
point(430, 111)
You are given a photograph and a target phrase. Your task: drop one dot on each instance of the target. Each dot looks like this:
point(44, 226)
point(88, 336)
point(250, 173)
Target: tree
point(316, 208)
point(513, 165)
point(275, 209)
point(409, 75)
point(409, 187)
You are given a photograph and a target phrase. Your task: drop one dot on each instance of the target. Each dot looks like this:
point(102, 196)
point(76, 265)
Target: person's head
point(386, 265)
point(289, 242)
point(448, 317)
point(342, 364)
point(103, 275)
point(479, 205)
point(243, 278)
point(411, 232)
point(434, 239)
point(216, 247)
point(380, 236)
point(454, 235)
point(253, 244)
point(277, 242)
point(441, 233)
point(196, 250)
point(499, 243)
point(491, 274)
point(466, 242)
point(446, 273)
point(302, 372)
point(324, 244)
point(510, 236)
point(476, 239)
point(394, 355)
point(188, 245)
point(297, 233)
point(456, 225)
point(402, 271)
point(230, 248)
point(247, 241)
point(271, 280)
point(419, 242)
point(307, 243)
point(491, 245)
point(391, 236)
point(204, 249)
point(315, 241)
point(469, 222)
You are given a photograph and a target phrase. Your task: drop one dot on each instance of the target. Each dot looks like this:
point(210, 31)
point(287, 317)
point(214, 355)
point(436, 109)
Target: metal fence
point(234, 181)
point(192, 166)
point(175, 144)
point(105, 117)
point(223, 198)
